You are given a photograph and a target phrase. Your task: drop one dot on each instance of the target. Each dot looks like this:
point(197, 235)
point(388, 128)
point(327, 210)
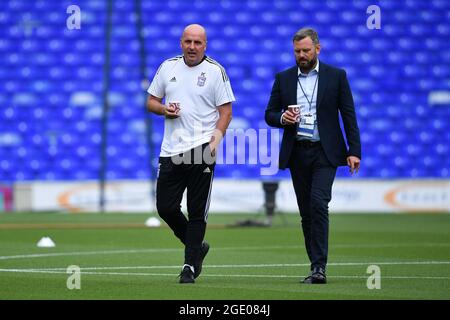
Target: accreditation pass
point(306, 125)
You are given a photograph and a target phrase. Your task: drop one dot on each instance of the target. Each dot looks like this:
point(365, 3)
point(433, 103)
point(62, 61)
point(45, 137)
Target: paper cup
point(295, 109)
point(176, 105)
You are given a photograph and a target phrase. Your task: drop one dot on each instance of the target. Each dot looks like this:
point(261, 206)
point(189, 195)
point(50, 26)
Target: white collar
point(315, 68)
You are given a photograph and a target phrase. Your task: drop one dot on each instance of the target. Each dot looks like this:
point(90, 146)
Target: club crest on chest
point(201, 80)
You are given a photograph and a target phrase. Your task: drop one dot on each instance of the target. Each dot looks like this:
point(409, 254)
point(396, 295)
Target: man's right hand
point(288, 118)
point(170, 112)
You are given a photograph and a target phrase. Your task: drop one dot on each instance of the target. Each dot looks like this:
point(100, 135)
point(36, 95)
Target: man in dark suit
point(313, 145)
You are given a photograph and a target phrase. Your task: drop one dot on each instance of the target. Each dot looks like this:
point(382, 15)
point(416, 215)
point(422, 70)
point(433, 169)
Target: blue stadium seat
point(51, 99)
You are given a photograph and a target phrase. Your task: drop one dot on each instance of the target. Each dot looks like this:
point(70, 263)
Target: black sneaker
point(186, 275)
point(203, 252)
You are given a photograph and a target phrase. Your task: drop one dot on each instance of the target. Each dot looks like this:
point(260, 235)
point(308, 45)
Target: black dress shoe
point(317, 276)
point(306, 280)
point(203, 252)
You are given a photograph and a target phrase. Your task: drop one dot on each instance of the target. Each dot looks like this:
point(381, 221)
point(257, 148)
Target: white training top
point(199, 90)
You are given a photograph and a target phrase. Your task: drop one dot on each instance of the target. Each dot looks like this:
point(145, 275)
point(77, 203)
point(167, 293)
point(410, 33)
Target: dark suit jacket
point(333, 97)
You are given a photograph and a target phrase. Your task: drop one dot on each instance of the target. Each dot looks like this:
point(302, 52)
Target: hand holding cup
point(172, 110)
point(292, 114)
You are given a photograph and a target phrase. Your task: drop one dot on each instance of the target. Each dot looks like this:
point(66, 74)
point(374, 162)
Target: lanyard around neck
point(304, 94)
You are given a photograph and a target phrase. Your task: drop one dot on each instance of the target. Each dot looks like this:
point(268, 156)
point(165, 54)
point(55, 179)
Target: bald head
point(193, 44)
point(194, 30)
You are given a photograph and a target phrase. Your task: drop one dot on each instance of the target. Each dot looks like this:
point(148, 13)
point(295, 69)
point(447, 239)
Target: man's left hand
point(213, 148)
point(354, 163)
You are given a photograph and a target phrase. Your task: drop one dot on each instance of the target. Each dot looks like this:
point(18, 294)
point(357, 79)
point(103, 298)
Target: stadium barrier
point(246, 196)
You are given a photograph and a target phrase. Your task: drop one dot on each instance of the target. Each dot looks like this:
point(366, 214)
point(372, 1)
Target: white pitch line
point(272, 265)
point(82, 253)
point(386, 245)
point(130, 251)
point(228, 266)
point(214, 275)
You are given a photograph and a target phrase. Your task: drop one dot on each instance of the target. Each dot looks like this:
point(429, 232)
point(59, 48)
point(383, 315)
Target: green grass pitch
point(121, 259)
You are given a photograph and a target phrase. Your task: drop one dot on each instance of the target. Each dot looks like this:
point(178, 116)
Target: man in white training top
point(197, 111)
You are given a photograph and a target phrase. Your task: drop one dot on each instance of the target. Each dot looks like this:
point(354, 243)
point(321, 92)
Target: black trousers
point(192, 172)
point(313, 175)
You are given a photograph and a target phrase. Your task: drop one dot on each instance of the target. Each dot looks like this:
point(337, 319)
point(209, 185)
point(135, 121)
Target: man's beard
point(308, 67)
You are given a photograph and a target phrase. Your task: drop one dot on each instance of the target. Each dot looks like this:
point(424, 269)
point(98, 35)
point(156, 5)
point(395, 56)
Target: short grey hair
point(306, 32)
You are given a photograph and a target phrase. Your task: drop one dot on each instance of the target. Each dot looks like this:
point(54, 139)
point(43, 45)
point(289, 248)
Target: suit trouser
point(173, 179)
point(313, 175)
